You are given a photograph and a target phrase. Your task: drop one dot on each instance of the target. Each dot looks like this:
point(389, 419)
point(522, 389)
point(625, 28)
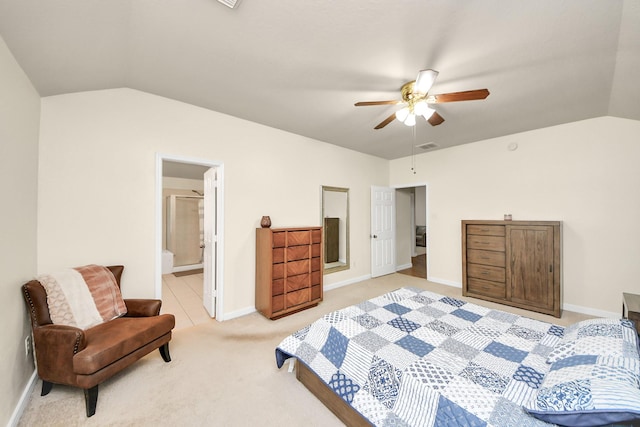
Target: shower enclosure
point(185, 234)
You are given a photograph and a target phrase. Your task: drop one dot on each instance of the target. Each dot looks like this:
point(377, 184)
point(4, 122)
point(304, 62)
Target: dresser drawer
point(298, 282)
point(316, 278)
point(487, 288)
point(277, 255)
point(486, 272)
point(315, 264)
point(277, 271)
point(297, 267)
point(297, 252)
point(277, 303)
point(297, 297)
point(316, 292)
point(292, 268)
point(316, 236)
point(277, 287)
point(490, 243)
point(279, 239)
point(296, 238)
point(478, 256)
point(486, 230)
point(315, 250)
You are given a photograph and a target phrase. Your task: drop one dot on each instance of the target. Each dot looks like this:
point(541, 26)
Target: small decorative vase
point(265, 222)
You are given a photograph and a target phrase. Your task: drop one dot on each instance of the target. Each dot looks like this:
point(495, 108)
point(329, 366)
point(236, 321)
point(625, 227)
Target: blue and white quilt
point(412, 357)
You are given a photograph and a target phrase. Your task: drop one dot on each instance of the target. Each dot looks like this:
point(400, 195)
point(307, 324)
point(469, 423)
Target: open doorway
point(189, 233)
point(411, 226)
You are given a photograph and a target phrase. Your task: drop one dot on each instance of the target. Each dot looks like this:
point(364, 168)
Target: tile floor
point(182, 297)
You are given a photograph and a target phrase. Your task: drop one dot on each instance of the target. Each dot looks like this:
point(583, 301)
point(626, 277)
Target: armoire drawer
point(489, 243)
point(486, 230)
point(487, 288)
point(479, 256)
point(486, 272)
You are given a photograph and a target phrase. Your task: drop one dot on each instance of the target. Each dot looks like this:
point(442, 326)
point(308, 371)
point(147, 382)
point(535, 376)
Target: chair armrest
point(55, 346)
point(142, 307)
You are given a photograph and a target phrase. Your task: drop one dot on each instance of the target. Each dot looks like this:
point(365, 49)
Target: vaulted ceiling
point(300, 65)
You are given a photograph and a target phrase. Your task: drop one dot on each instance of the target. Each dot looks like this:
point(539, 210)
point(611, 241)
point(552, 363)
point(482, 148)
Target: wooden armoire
point(513, 262)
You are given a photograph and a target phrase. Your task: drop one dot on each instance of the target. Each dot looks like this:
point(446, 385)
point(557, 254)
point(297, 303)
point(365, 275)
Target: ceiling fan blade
point(468, 95)
point(435, 119)
point(425, 80)
point(386, 121)
point(367, 103)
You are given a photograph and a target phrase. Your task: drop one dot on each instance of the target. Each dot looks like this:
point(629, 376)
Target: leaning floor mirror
point(335, 220)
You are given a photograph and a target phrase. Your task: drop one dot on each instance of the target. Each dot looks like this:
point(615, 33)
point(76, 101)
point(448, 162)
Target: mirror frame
point(346, 265)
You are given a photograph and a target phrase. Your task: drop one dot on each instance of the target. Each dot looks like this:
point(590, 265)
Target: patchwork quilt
point(416, 358)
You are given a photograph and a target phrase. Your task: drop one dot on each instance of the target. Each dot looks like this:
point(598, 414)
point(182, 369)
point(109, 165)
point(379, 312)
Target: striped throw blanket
point(83, 296)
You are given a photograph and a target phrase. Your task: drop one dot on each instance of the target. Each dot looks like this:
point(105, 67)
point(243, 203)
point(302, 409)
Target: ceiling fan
point(415, 95)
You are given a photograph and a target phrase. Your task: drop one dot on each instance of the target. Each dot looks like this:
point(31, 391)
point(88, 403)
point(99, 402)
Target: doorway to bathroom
point(189, 217)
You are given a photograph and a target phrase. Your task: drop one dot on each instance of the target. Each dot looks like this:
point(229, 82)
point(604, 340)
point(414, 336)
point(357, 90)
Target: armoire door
point(530, 255)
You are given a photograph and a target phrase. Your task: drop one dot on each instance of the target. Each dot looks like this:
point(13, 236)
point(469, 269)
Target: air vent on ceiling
point(230, 3)
point(427, 145)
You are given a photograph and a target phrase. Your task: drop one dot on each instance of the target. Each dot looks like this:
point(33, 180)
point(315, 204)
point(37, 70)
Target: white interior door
point(210, 242)
point(383, 231)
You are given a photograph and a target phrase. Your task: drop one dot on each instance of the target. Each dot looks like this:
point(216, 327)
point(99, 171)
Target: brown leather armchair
point(85, 358)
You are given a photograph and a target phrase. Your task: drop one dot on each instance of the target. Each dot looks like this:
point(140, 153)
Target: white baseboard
point(347, 282)
point(590, 311)
point(404, 266)
point(239, 313)
point(24, 400)
point(444, 281)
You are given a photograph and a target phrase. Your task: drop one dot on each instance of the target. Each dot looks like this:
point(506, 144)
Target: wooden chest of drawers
point(288, 270)
point(513, 262)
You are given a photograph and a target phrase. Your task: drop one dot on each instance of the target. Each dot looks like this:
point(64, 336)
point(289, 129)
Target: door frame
point(426, 201)
point(219, 261)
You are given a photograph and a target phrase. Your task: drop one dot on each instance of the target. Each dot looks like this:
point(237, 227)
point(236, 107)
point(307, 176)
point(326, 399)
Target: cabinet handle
point(551, 268)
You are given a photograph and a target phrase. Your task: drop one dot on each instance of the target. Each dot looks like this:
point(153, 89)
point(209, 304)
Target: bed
point(412, 357)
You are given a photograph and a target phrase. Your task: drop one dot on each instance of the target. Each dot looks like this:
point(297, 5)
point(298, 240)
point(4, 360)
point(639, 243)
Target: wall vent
point(427, 146)
point(230, 3)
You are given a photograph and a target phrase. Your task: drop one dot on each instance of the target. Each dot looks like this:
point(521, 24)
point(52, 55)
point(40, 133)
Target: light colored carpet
point(223, 374)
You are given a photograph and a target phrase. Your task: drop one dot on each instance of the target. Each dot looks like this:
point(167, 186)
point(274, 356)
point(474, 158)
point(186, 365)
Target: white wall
point(97, 184)
point(19, 117)
point(585, 174)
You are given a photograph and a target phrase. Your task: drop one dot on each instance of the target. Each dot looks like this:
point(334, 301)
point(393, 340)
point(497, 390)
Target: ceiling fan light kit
point(415, 96)
point(230, 3)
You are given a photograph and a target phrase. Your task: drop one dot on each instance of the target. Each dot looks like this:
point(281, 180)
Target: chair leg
point(91, 400)
point(164, 352)
point(46, 387)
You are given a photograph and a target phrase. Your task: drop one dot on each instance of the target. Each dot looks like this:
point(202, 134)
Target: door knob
point(374, 236)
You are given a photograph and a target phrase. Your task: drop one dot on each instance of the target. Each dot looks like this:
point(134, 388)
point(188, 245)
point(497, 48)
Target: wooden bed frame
point(335, 403)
